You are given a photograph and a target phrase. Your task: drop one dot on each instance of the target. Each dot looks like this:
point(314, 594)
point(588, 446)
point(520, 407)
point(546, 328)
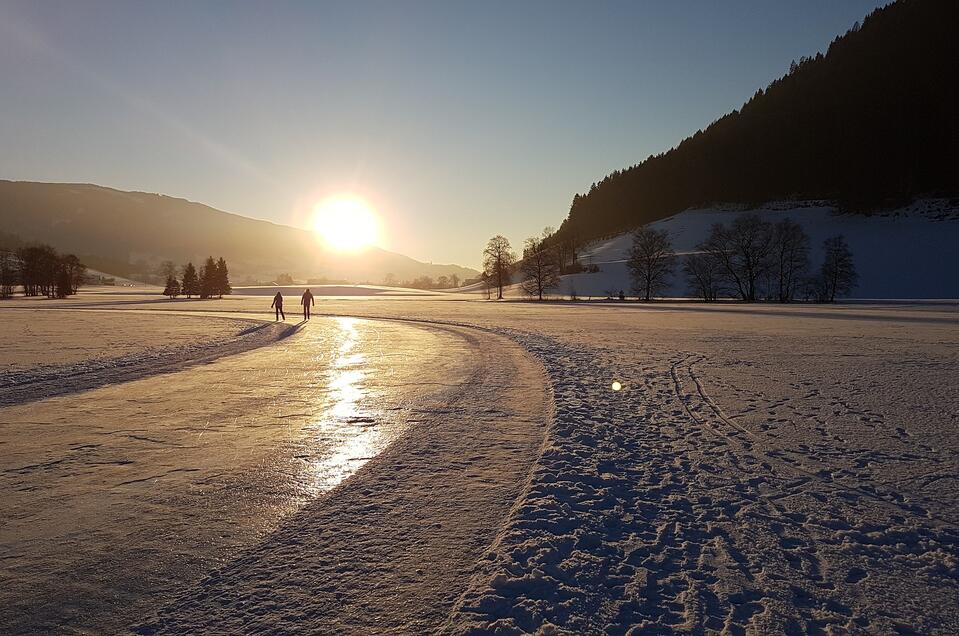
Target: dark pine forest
point(872, 123)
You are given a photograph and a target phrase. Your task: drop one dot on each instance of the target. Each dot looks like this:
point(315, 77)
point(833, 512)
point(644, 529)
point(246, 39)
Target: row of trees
point(40, 271)
point(750, 259)
point(540, 267)
point(213, 280)
point(424, 282)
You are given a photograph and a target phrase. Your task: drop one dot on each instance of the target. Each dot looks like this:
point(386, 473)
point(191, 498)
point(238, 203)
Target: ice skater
point(278, 304)
point(307, 301)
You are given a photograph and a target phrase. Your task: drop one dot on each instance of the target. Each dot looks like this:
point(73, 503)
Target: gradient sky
point(456, 120)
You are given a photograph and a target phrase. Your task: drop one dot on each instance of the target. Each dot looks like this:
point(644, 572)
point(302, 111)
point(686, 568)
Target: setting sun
point(346, 223)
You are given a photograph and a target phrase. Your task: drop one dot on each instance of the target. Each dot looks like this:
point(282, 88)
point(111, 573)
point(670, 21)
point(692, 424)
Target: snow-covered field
point(905, 253)
point(761, 469)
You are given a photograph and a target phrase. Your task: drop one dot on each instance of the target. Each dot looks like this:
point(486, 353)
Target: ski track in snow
point(651, 511)
point(17, 387)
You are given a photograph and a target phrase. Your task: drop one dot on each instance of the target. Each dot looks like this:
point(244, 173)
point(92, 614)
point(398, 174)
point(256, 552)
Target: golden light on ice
point(346, 223)
point(616, 386)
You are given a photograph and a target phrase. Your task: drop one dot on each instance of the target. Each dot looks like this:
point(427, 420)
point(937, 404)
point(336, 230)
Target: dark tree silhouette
point(540, 265)
point(498, 260)
point(8, 274)
point(76, 270)
point(208, 287)
point(43, 272)
point(703, 274)
point(650, 262)
point(172, 288)
point(838, 275)
point(191, 282)
point(790, 258)
point(743, 249)
point(222, 285)
point(64, 284)
point(870, 123)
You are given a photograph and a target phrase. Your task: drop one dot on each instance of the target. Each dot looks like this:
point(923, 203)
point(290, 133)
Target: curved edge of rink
point(394, 548)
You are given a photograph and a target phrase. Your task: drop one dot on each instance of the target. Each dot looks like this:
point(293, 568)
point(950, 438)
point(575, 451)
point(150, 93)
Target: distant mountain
point(130, 233)
point(872, 123)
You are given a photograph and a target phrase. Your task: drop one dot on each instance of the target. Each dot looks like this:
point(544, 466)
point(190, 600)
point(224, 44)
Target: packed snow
point(544, 468)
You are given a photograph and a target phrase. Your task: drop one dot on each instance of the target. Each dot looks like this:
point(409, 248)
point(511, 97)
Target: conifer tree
point(222, 286)
point(208, 278)
point(191, 283)
point(172, 288)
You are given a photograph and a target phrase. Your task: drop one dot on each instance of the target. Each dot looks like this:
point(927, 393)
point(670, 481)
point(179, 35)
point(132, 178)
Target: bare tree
point(650, 262)
point(838, 275)
point(540, 265)
point(498, 260)
point(487, 284)
point(703, 275)
point(790, 258)
point(743, 249)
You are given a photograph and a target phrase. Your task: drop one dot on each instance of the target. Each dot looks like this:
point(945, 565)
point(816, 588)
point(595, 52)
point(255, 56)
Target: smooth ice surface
point(116, 495)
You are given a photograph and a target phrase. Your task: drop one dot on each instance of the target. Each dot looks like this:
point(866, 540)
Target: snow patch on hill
point(907, 252)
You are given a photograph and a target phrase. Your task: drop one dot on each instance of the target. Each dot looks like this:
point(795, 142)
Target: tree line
point(424, 282)
point(40, 271)
point(540, 267)
point(869, 124)
point(749, 259)
point(213, 279)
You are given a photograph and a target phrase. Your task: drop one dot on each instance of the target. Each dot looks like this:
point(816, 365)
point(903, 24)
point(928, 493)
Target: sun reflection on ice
point(354, 433)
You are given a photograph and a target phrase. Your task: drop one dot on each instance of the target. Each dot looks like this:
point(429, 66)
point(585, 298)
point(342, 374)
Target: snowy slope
point(906, 253)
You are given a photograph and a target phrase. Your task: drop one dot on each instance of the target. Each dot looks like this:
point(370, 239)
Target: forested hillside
point(130, 233)
point(870, 123)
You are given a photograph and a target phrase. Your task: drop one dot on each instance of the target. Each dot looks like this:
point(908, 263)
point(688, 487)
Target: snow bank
point(904, 253)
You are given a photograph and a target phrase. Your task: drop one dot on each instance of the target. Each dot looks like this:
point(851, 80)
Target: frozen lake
point(757, 469)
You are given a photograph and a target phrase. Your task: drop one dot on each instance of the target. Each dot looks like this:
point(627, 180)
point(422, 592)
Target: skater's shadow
point(292, 329)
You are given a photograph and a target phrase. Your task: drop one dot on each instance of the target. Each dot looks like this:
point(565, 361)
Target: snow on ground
point(118, 497)
point(903, 253)
point(762, 469)
point(35, 339)
point(47, 353)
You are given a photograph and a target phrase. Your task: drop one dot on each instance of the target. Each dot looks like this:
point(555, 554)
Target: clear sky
point(455, 120)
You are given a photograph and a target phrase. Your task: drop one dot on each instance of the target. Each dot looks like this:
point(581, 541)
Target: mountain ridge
point(130, 232)
point(867, 124)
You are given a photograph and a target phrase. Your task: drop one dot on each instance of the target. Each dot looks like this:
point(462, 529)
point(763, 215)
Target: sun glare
point(346, 223)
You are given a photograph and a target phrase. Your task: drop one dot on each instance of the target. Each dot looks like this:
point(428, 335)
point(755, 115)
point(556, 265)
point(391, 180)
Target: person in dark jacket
point(278, 304)
point(307, 301)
